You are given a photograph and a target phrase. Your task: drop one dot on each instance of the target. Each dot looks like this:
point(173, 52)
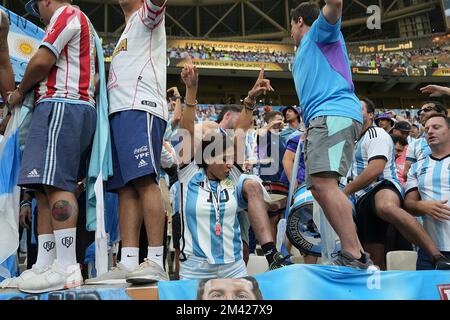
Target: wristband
point(25, 203)
point(191, 105)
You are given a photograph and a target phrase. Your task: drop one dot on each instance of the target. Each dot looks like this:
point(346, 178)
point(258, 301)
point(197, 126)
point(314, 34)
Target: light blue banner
point(317, 282)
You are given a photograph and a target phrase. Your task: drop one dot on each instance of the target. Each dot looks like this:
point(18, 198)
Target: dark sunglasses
point(426, 110)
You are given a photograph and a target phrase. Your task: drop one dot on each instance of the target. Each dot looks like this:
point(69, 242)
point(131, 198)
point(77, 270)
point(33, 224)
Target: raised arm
point(245, 120)
point(189, 76)
point(332, 10)
point(152, 13)
point(261, 86)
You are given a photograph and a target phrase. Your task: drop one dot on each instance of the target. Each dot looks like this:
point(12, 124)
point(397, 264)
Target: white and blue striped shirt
point(375, 144)
point(431, 177)
point(199, 216)
point(417, 150)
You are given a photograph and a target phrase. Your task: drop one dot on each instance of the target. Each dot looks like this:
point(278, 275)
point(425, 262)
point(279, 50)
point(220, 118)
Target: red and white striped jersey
point(70, 36)
point(138, 71)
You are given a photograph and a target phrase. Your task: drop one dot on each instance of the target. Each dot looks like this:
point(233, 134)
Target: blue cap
point(31, 8)
point(295, 109)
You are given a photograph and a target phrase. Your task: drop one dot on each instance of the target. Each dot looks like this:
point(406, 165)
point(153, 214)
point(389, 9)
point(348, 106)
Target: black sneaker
point(441, 263)
point(279, 261)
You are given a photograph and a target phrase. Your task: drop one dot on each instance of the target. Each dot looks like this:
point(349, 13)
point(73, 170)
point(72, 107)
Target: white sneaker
point(148, 272)
point(13, 283)
point(55, 278)
point(116, 275)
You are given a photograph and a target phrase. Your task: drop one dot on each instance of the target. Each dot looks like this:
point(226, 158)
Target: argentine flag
point(24, 39)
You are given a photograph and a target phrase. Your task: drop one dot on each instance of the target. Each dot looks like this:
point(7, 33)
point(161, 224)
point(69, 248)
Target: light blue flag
point(24, 39)
point(100, 169)
point(10, 157)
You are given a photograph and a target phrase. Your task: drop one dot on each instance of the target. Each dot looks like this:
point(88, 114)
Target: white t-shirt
point(137, 76)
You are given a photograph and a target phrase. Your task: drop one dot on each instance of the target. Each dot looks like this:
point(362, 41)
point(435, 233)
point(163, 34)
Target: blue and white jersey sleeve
point(411, 151)
point(324, 32)
point(412, 182)
point(378, 146)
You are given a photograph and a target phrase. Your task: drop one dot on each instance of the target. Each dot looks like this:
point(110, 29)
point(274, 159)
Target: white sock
point(46, 250)
point(155, 254)
point(129, 257)
point(65, 247)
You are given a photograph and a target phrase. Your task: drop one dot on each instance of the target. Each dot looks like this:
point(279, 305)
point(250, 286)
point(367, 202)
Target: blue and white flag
point(10, 157)
point(24, 39)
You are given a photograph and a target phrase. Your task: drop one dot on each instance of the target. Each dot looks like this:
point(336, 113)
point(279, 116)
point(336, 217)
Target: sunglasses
point(426, 110)
point(36, 8)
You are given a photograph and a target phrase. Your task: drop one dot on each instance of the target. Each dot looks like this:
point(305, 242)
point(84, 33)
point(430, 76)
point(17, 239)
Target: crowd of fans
point(436, 57)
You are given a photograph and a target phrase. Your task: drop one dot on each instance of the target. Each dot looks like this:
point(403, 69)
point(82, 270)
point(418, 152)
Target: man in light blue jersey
point(332, 115)
point(428, 192)
point(379, 193)
point(213, 188)
point(419, 148)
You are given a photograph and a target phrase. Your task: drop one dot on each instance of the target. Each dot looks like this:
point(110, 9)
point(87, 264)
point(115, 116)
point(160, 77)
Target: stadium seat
point(256, 265)
point(401, 260)
point(298, 259)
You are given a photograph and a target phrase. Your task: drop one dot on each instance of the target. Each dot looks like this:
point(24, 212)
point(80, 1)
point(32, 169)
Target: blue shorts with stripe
point(58, 145)
point(137, 141)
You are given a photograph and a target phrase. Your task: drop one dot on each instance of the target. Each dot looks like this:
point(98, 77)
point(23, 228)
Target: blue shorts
point(58, 145)
point(136, 141)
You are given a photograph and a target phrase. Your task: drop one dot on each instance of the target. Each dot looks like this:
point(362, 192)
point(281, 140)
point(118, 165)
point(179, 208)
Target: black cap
point(403, 126)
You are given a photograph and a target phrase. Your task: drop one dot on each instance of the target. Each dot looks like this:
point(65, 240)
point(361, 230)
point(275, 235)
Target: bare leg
point(153, 208)
point(338, 211)
point(44, 223)
point(387, 205)
point(130, 217)
point(64, 208)
point(257, 212)
point(376, 251)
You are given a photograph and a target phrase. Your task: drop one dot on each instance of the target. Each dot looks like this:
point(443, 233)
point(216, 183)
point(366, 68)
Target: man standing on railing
point(332, 115)
point(138, 117)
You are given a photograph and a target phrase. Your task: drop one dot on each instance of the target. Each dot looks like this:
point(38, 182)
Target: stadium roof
point(267, 19)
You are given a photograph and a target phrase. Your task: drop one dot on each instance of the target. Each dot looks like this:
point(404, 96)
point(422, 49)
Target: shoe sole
point(143, 280)
point(56, 288)
point(112, 281)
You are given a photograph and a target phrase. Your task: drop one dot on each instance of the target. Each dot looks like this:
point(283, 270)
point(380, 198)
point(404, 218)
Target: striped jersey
point(138, 71)
point(375, 143)
point(71, 37)
point(198, 219)
point(431, 178)
point(417, 150)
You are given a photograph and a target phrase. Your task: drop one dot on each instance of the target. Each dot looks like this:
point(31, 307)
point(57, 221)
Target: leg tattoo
point(62, 210)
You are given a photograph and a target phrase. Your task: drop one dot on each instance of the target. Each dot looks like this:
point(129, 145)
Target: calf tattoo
point(62, 210)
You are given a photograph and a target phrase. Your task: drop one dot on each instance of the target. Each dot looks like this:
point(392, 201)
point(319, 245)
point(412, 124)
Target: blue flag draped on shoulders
point(10, 157)
point(24, 39)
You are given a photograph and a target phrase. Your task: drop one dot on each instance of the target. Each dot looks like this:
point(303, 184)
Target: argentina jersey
point(417, 150)
point(431, 178)
point(375, 144)
point(198, 233)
